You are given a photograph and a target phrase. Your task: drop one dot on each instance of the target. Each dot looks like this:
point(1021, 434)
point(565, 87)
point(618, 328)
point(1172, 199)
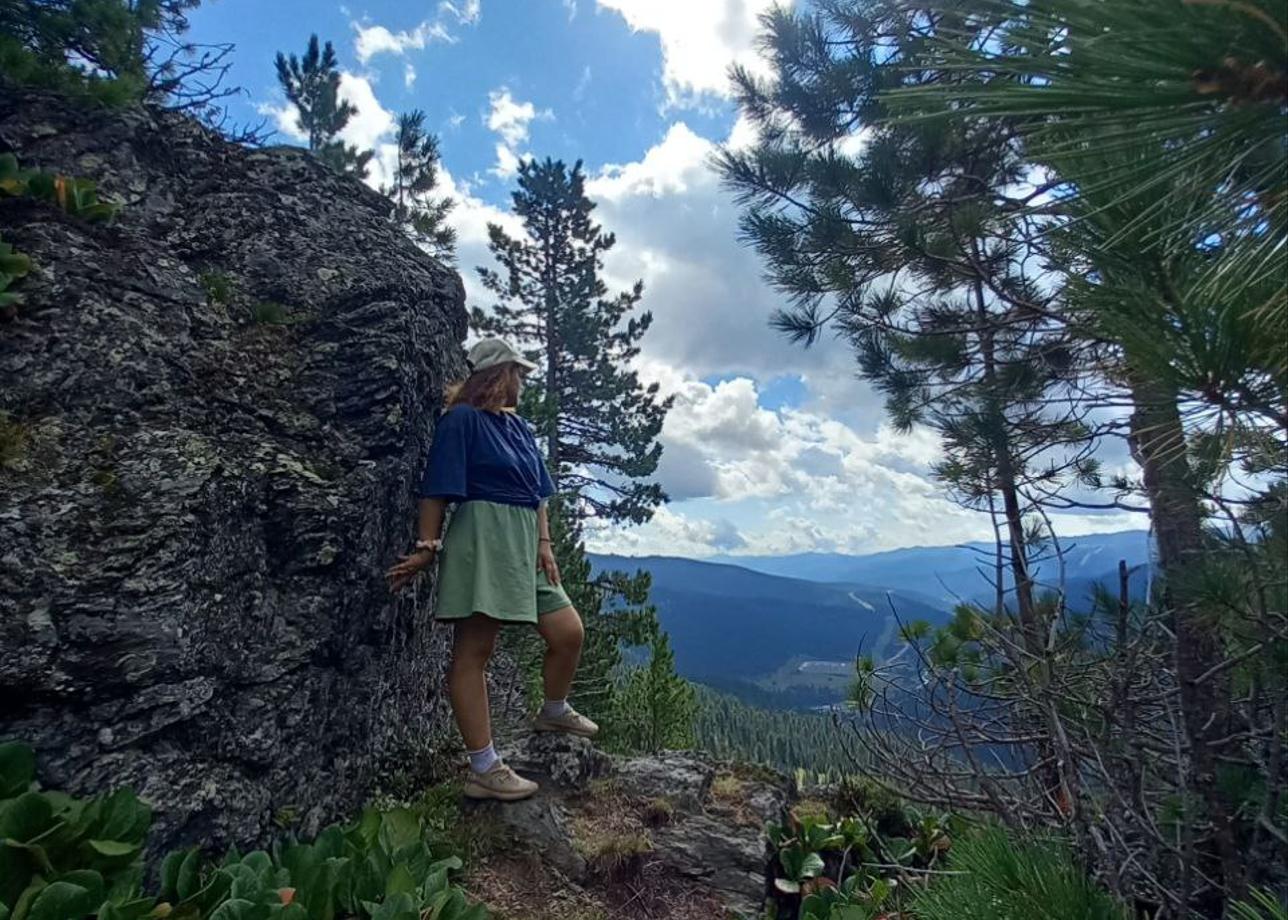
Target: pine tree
point(600, 424)
point(312, 85)
point(1163, 124)
point(902, 239)
point(1150, 140)
point(656, 707)
point(415, 177)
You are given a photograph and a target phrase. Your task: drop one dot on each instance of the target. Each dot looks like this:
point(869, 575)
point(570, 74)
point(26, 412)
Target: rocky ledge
point(676, 835)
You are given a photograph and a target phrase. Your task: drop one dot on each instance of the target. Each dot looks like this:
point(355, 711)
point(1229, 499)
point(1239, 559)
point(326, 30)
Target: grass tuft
point(218, 287)
point(269, 313)
point(658, 812)
point(14, 439)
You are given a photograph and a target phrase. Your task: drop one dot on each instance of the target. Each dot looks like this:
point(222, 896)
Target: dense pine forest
point(787, 740)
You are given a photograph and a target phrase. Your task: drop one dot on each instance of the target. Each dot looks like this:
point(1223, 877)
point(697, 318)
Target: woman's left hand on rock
point(402, 572)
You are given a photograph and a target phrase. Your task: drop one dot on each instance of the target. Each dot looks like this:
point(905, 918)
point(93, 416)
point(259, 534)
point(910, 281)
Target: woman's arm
point(545, 551)
point(429, 525)
point(543, 524)
point(430, 519)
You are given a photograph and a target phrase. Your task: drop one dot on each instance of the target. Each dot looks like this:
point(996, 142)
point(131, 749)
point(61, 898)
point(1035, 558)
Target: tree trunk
point(1006, 484)
point(1159, 446)
point(550, 285)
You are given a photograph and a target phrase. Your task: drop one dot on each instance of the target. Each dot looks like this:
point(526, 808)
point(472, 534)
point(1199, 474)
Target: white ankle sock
point(483, 760)
point(553, 709)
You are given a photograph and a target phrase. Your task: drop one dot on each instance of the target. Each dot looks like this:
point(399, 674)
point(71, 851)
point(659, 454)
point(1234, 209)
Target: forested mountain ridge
point(726, 621)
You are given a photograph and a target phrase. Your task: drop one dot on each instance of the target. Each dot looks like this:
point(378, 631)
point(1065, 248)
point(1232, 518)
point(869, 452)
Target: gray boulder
point(213, 416)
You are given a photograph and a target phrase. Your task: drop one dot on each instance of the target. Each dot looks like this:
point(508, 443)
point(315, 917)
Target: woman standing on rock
point(497, 565)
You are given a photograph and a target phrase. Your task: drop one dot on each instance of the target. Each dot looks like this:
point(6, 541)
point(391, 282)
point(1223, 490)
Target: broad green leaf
point(188, 881)
point(88, 879)
point(137, 909)
point(399, 828)
point(399, 881)
point(399, 907)
point(62, 901)
point(26, 817)
point(114, 847)
point(22, 906)
point(124, 817)
point(235, 909)
point(170, 872)
point(450, 863)
point(448, 905)
point(17, 761)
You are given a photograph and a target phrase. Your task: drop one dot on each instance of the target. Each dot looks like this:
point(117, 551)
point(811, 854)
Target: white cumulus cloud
point(700, 40)
point(511, 120)
point(373, 39)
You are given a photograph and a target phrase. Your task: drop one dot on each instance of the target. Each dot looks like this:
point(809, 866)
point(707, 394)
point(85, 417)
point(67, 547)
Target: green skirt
point(488, 565)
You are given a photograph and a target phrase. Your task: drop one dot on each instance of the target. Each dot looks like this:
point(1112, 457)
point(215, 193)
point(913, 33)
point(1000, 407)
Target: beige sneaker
point(499, 783)
point(572, 722)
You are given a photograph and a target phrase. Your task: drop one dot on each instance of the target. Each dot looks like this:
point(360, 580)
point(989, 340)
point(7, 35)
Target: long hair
point(491, 390)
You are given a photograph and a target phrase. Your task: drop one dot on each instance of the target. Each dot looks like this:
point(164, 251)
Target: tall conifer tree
point(600, 423)
point(415, 176)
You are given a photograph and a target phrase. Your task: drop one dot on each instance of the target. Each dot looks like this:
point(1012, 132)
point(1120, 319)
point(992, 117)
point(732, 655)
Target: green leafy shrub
point(1005, 879)
point(77, 197)
point(854, 868)
point(63, 858)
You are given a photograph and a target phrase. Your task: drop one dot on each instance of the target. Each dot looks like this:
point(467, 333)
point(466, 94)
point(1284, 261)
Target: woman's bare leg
point(472, 646)
point(563, 633)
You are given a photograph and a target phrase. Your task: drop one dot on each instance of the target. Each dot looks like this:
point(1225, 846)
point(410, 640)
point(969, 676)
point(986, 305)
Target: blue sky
point(770, 448)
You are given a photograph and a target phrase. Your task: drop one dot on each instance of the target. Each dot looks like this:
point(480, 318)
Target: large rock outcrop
point(214, 414)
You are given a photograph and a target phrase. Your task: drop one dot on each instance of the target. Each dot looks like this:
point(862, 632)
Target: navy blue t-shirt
point(485, 456)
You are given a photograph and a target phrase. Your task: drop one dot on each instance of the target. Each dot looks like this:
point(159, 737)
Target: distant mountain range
point(946, 574)
point(747, 624)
